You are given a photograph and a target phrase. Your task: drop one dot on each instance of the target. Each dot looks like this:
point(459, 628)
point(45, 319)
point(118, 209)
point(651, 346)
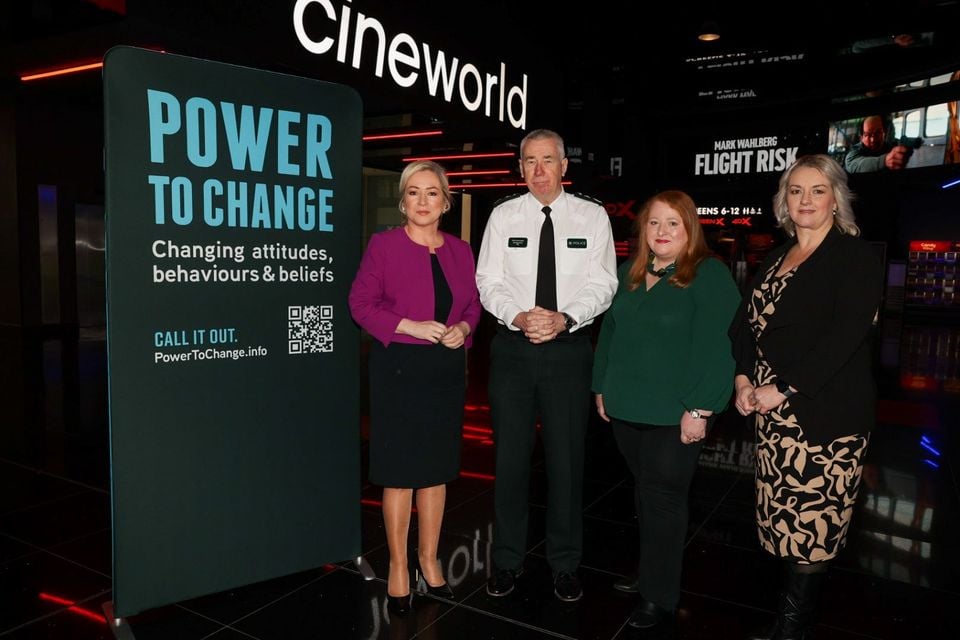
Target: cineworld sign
point(407, 61)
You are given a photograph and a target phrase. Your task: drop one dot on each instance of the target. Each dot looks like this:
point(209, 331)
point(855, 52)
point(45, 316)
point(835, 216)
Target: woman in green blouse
point(663, 368)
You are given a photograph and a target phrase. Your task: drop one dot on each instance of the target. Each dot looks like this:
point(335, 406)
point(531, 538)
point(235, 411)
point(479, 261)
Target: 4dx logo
point(621, 209)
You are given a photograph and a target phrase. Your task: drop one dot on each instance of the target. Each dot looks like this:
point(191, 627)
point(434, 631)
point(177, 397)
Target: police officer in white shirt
point(546, 269)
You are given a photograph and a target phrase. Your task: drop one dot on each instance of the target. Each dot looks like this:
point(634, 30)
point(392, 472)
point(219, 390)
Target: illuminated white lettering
point(443, 74)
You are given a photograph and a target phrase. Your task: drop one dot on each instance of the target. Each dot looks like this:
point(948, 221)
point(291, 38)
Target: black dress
point(416, 406)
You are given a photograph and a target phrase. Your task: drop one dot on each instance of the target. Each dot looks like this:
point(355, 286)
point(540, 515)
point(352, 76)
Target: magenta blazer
point(395, 281)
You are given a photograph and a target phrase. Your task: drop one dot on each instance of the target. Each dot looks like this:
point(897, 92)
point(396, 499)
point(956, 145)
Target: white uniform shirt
point(586, 261)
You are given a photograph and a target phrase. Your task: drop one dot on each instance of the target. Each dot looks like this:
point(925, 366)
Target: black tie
point(547, 266)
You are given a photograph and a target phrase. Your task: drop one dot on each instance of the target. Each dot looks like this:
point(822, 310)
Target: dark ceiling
point(648, 50)
point(632, 56)
point(785, 51)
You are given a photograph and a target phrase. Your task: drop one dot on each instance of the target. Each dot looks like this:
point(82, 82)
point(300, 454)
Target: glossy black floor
point(898, 578)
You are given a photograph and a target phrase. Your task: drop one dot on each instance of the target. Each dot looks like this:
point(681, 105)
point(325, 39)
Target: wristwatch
point(783, 387)
point(696, 415)
point(568, 321)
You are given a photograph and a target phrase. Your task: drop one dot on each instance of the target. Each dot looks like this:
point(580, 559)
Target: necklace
point(667, 270)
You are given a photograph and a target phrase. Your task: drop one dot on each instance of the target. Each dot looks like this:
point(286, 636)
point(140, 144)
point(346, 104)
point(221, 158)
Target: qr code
point(310, 329)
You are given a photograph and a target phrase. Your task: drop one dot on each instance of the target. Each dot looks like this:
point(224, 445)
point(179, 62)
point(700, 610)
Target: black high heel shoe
point(400, 605)
point(425, 588)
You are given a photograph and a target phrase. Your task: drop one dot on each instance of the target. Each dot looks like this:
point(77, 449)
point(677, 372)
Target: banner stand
point(118, 626)
point(121, 629)
point(232, 236)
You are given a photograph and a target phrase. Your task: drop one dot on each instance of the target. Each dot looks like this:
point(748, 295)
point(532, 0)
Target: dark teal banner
point(233, 233)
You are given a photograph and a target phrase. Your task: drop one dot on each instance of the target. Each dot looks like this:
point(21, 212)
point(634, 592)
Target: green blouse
point(664, 350)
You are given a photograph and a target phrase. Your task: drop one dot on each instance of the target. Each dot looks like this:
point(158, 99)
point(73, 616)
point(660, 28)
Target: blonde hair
point(843, 217)
point(424, 165)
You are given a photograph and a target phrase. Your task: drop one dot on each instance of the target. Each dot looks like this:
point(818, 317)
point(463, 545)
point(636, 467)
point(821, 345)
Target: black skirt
point(416, 414)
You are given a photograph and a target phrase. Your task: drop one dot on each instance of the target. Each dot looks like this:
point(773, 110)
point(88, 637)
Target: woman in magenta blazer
point(415, 293)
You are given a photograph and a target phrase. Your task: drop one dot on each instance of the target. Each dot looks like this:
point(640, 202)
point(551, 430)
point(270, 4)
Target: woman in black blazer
point(804, 360)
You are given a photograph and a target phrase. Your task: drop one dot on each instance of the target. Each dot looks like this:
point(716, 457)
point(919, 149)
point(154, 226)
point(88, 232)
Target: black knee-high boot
point(798, 601)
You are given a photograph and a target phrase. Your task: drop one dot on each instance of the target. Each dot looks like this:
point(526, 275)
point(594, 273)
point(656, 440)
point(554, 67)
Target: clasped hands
point(761, 399)
point(433, 331)
point(540, 325)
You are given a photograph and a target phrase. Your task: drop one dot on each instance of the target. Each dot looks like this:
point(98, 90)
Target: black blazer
point(818, 338)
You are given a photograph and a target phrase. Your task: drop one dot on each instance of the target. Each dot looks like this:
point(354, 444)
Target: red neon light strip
point(488, 185)
point(55, 599)
point(90, 615)
point(466, 156)
point(497, 184)
point(73, 608)
point(77, 68)
point(476, 407)
point(492, 172)
point(479, 476)
point(468, 427)
point(60, 72)
point(474, 436)
point(396, 136)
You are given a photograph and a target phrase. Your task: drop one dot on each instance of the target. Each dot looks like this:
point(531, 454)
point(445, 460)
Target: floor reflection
point(902, 564)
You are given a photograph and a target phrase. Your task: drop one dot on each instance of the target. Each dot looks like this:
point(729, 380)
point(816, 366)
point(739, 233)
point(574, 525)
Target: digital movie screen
point(922, 136)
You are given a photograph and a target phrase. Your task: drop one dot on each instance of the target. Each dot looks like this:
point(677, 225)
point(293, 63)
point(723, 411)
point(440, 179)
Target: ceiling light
point(709, 31)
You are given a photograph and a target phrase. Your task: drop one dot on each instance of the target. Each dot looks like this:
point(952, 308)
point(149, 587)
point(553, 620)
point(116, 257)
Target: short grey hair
point(837, 179)
point(544, 134)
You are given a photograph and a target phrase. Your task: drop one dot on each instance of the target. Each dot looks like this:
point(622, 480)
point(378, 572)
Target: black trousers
point(552, 381)
point(662, 470)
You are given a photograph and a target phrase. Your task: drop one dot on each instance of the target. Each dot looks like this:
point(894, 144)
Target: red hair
point(687, 262)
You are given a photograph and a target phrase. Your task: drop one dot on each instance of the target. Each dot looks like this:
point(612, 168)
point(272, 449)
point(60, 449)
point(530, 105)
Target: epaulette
point(508, 198)
point(587, 198)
